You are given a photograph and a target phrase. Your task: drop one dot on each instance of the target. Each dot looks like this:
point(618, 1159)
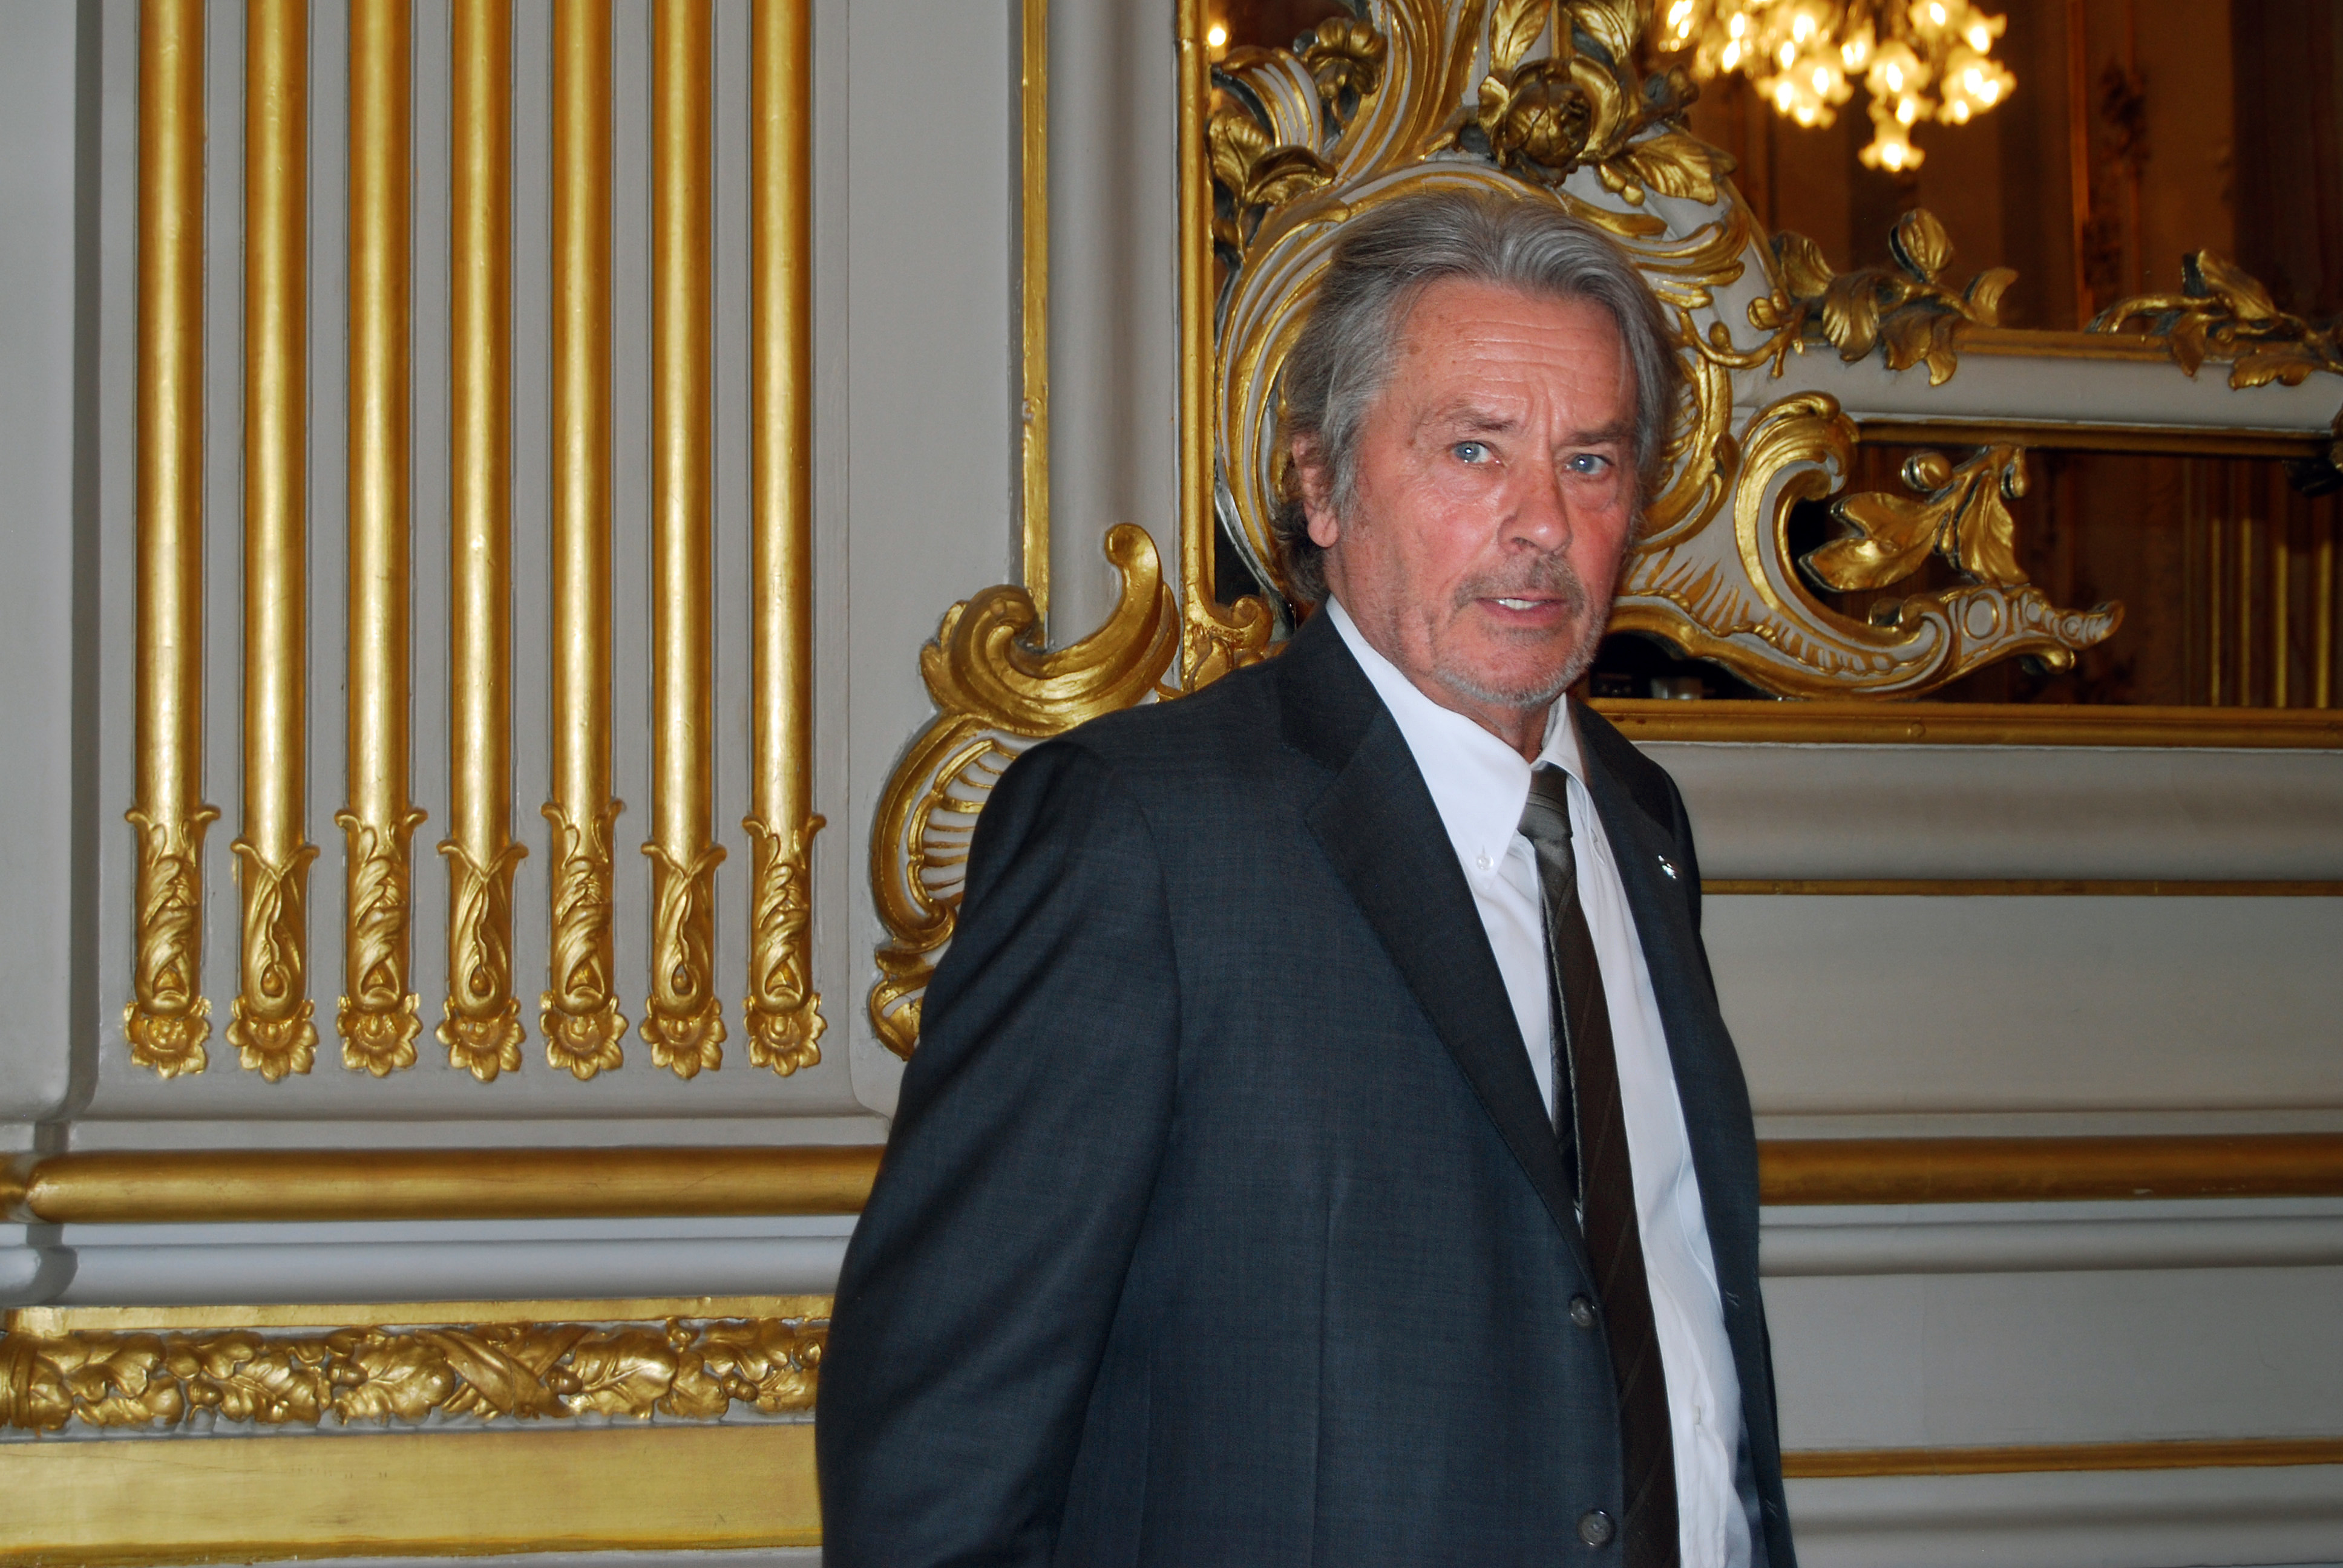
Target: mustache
point(1545, 576)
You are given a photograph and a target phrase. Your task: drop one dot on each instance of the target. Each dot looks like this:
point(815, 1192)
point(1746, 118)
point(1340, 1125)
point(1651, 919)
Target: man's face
point(1495, 492)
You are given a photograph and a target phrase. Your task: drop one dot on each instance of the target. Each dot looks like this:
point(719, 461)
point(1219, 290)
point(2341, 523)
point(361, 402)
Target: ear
point(1317, 492)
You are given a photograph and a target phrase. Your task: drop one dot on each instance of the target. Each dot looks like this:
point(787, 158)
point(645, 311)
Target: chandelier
point(1929, 57)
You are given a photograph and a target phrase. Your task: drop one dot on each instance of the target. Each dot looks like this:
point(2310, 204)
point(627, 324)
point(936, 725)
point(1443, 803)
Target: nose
point(1539, 518)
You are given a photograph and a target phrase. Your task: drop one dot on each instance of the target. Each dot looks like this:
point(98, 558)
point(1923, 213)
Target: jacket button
point(1595, 1528)
point(1582, 1314)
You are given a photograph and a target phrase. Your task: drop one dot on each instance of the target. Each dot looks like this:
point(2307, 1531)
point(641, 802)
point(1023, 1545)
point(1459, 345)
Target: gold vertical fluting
point(683, 1020)
point(270, 1020)
point(377, 1019)
point(2322, 607)
point(1033, 205)
point(480, 1025)
point(580, 1006)
point(783, 1010)
point(167, 1019)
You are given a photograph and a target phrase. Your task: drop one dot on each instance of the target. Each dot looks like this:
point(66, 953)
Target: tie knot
point(1545, 816)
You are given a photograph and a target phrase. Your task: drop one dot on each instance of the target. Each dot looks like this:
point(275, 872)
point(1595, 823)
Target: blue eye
point(1587, 463)
point(1470, 452)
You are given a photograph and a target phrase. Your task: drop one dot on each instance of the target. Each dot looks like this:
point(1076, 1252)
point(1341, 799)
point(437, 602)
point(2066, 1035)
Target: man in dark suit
point(1323, 1144)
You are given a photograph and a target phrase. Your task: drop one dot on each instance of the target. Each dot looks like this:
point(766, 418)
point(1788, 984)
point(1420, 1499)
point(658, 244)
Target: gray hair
point(1381, 267)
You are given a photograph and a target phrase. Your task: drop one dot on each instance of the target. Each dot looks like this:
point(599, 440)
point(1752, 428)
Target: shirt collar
point(1478, 783)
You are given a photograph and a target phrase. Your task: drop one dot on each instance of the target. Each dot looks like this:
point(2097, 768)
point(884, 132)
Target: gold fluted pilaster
point(683, 1020)
point(480, 1025)
point(169, 1019)
point(271, 1019)
point(783, 1010)
point(579, 1011)
point(377, 1019)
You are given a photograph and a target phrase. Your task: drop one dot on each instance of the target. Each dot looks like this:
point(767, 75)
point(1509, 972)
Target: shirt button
point(1483, 861)
point(1595, 1528)
point(1582, 1313)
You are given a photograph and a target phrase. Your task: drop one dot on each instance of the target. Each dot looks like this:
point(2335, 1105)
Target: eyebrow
point(1479, 422)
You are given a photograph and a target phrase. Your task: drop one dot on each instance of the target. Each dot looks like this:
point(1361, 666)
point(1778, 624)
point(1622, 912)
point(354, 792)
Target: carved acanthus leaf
point(1906, 308)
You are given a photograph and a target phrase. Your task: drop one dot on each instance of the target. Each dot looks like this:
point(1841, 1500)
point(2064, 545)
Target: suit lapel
point(1378, 826)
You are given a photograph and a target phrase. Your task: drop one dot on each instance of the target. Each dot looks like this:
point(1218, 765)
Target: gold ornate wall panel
point(378, 155)
point(1545, 98)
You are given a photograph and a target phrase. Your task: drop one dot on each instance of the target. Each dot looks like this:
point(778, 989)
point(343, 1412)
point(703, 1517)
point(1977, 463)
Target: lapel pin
point(1667, 865)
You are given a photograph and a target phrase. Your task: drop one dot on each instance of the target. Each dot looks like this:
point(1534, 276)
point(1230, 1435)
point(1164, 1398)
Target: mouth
point(1524, 605)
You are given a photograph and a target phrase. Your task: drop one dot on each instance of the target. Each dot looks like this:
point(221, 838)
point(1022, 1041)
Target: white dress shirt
point(1480, 784)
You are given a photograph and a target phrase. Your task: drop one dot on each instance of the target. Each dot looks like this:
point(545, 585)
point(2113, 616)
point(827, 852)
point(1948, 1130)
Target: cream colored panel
point(2113, 812)
point(1963, 1361)
point(2120, 1518)
point(930, 139)
point(1907, 1004)
point(39, 648)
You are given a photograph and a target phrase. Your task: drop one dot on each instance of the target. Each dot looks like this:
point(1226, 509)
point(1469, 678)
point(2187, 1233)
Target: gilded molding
point(579, 1011)
point(1907, 310)
point(1735, 598)
point(996, 694)
point(1034, 300)
point(480, 1015)
point(580, 1014)
point(782, 1011)
point(683, 1020)
point(170, 1018)
point(378, 1018)
point(167, 1018)
point(270, 1019)
point(2223, 312)
point(482, 1028)
point(678, 1369)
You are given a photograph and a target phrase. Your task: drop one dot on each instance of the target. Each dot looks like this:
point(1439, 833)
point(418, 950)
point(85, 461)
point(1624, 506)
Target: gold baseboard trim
point(1839, 721)
point(1856, 1171)
point(118, 1504)
point(264, 1185)
point(2233, 1453)
point(2012, 887)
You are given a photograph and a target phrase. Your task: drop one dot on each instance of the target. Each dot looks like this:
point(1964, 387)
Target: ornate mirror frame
point(1789, 366)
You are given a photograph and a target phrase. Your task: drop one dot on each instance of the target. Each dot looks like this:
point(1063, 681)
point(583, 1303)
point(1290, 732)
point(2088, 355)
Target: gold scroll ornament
point(782, 1009)
point(579, 1011)
point(167, 1018)
point(996, 696)
point(270, 1020)
point(377, 1019)
point(678, 1369)
point(480, 1025)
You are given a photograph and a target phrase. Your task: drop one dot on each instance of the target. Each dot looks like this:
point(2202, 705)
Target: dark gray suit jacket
point(1222, 1222)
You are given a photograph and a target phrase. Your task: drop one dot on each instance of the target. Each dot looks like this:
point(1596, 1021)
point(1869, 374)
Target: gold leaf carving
point(682, 1018)
point(2223, 312)
point(995, 695)
point(481, 1027)
point(169, 1019)
point(783, 1010)
point(679, 1368)
point(379, 1023)
point(1907, 307)
point(269, 1022)
point(1963, 514)
point(580, 1014)
point(1733, 596)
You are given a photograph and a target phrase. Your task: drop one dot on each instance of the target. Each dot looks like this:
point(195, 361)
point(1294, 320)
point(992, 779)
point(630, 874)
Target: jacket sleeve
point(983, 1278)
